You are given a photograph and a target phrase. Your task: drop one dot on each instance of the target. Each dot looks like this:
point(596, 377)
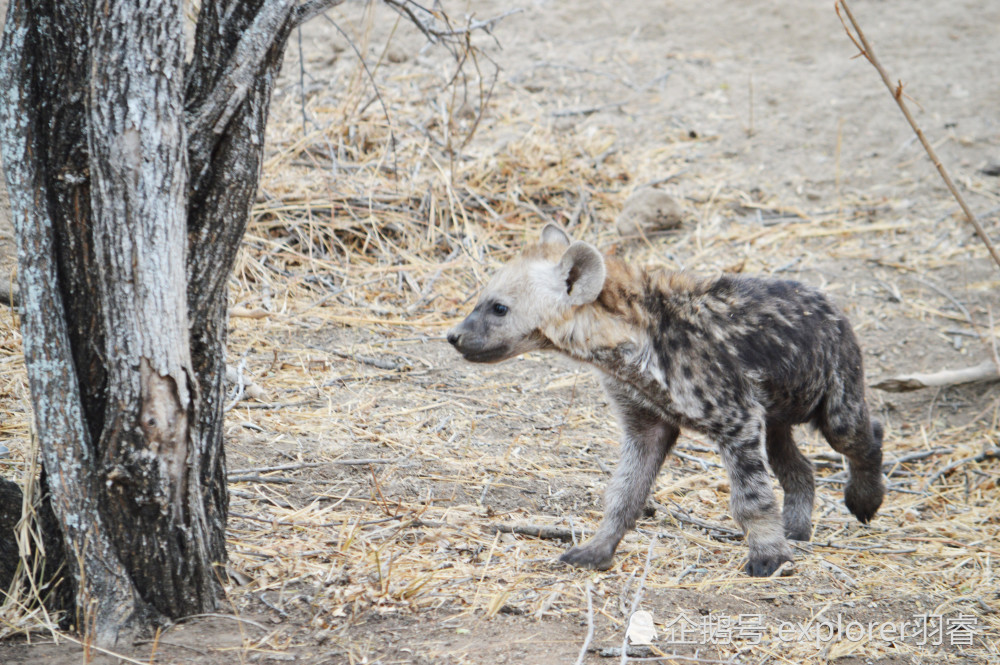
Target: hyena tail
point(846, 425)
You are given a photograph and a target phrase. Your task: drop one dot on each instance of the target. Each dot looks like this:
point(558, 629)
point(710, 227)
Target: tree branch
point(239, 74)
point(434, 32)
point(311, 9)
point(897, 93)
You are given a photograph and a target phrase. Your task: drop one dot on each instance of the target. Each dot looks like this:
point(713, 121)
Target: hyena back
point(739, 359)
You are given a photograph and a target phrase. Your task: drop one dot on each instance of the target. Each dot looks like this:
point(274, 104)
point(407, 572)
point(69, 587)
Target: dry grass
point(354, 266)
point(403, 255)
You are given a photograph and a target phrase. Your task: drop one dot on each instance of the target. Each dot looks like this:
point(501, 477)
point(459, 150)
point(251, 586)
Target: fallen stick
point(280, 467)
point(989, 453)
point(986, 371)
point(649, 654)
point(889, 465)
point(366, 460)
point(313, 465)
point(694, 521)
point(264, 479)
point(536, 531)
point(244, 313)
point(897, 93)
point(381, 363)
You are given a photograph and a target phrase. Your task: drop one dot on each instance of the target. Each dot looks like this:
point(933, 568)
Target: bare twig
point(280, 467)
point(990, 453)
point(362, 462)
point(897, 93)
point(944, 292)
point(694, 521)
point(312, 465)
point(310, 9)
point(590, 624)
point(434, 32)
point(638, 596)
point(378, 93)
point(589, 110)
point(890, 464)
point(381, 363)
point(280, 480)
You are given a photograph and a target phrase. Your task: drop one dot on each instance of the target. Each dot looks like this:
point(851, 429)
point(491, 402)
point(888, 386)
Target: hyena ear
point(582, 269)
point(554, 234)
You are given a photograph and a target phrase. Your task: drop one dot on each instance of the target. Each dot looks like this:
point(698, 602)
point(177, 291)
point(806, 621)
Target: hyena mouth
point(494, 355)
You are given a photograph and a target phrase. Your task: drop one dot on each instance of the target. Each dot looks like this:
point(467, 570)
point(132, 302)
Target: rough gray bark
point(65, 442)
point(131, 177)
point(150, 449)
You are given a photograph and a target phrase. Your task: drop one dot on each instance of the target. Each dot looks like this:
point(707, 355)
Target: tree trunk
point(131, 177)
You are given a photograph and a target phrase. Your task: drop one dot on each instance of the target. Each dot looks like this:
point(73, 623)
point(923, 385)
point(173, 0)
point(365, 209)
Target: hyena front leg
point(647, 440)
point(795, 473)
point(752, 498)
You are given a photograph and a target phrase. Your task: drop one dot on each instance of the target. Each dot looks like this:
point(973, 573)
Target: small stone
point(991, 169)
point(649, 210)
point(396, 54)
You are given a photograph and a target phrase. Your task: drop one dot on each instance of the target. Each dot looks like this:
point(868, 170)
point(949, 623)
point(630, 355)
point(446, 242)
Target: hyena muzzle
point(739, 359)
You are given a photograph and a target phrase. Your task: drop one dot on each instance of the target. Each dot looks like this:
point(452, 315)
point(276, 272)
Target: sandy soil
point(789, 158)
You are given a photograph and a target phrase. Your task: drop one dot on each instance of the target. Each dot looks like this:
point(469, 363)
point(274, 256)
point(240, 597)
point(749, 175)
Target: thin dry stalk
point(638, 596)
point(590, 624)
point(897, 94)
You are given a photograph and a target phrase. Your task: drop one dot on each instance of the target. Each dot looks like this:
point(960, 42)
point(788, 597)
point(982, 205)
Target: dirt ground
point(368, 481)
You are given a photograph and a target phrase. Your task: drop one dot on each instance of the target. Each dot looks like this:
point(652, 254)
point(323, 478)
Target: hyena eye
point(499, 310)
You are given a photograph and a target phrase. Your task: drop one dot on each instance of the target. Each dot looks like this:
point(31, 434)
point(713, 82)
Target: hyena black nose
point(453, 338)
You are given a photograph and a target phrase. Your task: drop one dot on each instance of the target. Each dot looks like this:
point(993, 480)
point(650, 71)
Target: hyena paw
point(863, 495)
point(764, 563)
point(588, 556)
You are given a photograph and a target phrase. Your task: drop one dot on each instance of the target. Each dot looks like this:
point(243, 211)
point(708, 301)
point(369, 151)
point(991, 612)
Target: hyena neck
point(612, 333)
point(616, 333)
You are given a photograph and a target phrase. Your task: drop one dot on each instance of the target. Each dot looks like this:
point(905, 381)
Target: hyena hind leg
point(645, 444)
point(850, 431)
point(795, 473)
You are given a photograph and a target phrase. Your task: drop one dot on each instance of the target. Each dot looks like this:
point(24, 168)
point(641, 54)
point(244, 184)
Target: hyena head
point(538, 289)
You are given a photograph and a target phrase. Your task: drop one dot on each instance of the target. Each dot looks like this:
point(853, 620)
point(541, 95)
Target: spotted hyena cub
point(739, 359)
